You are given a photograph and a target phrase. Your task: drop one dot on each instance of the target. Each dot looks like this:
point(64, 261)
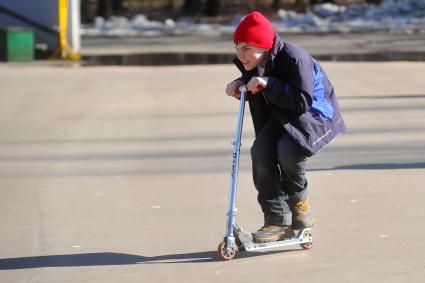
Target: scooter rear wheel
point(224, 254)
point(309, 245)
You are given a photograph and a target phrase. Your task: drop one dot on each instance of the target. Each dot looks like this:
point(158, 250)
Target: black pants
point(278, 165)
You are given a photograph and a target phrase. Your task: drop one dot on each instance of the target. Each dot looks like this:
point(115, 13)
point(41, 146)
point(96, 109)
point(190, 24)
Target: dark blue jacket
point(299, 95)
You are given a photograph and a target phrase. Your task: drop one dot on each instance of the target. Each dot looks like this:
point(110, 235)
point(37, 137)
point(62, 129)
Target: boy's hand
point(256, 84)
point(232, 89)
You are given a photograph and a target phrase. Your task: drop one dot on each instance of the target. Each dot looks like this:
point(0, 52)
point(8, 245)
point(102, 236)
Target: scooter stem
point(235, 166)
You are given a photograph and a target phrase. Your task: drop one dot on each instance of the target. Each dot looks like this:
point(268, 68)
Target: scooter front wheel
point(226, 254)
point(309, 244)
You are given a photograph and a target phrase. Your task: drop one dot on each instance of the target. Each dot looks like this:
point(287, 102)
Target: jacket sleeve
point(296, 93)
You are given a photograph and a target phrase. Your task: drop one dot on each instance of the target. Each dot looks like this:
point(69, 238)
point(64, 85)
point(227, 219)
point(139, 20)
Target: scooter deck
point(301, 237)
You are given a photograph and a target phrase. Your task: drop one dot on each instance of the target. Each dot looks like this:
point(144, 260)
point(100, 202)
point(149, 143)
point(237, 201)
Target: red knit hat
point(256, 30)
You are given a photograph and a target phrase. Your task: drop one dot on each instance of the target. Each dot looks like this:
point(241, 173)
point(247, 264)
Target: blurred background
point(68, 29)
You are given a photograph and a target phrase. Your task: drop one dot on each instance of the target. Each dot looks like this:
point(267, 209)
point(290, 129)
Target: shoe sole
point(273, 238)
point(287, 234)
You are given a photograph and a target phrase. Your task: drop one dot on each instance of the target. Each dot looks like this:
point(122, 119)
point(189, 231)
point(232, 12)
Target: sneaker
point(272, 233)
point(301, 214)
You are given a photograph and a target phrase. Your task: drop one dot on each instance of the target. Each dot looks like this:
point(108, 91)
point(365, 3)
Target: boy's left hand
point(256, 84)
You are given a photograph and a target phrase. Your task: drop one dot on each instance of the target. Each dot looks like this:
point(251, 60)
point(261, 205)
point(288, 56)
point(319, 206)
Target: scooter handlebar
point(244, 89)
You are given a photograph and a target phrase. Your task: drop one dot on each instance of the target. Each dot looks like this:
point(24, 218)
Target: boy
point(295, 114)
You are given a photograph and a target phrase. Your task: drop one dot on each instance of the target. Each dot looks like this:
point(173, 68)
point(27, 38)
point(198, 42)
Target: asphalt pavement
point(121, 174)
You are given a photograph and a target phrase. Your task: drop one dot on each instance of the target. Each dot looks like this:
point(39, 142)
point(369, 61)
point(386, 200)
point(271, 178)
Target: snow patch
point(392, 15)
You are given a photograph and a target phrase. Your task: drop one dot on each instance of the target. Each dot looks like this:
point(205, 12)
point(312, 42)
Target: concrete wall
point(44, 12)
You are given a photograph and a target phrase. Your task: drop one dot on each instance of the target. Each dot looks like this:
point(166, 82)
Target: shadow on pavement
point(375, 166)
point(107, 258)
point(401, 96)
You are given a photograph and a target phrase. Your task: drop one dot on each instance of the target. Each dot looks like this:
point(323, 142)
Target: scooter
point(235, 237)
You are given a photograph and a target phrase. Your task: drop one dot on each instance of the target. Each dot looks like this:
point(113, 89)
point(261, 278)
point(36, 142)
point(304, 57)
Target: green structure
point(16, 45)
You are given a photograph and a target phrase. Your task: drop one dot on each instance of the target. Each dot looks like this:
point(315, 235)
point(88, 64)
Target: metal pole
point(74, 22)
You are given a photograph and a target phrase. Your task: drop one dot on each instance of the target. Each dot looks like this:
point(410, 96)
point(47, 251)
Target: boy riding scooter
point(295, 115)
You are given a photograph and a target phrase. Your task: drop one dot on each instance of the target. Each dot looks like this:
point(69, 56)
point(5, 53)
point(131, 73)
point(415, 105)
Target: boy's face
point(250, 56)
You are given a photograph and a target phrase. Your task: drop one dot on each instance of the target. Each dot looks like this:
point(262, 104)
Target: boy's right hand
point(232, 89)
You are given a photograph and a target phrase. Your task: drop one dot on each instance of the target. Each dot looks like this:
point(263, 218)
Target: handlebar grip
point(242, 88)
